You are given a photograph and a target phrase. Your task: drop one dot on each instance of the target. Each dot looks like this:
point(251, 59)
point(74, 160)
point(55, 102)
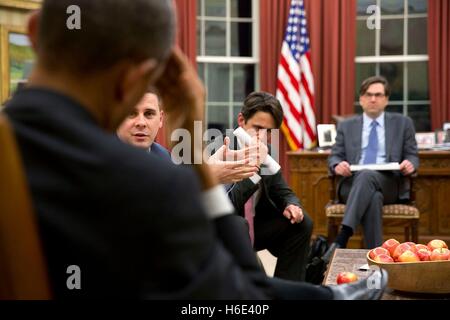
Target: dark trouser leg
point(365, 195)
point(290, 243)
point(372, 222)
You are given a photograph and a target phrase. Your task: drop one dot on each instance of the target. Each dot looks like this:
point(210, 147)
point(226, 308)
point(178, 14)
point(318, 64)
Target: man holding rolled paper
point(276, 219)
point(383, 145)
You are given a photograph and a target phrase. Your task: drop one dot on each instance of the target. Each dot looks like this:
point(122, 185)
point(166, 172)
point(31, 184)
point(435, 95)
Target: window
point(397, 51)
point(227, 49)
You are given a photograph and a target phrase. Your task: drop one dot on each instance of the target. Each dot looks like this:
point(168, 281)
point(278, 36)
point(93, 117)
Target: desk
point(352, 259)
point(309, 180)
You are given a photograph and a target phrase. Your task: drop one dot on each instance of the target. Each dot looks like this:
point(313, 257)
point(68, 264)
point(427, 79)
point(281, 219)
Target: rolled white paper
point(255, 178)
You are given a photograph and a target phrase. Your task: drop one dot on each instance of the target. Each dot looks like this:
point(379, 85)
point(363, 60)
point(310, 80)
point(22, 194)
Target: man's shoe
point(329, 253)
point(371, 288)
point(315, 271)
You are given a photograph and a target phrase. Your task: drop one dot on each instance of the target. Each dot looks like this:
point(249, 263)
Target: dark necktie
point(372, 146)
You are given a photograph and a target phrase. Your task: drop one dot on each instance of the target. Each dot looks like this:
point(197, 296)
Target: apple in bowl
point(383, 258)
point(440, 254)
point(422, 246)
point(377, 251)
point(390, 245)
point(437, 244)
point(408, 256)
point(401, 248)
point(424, 254)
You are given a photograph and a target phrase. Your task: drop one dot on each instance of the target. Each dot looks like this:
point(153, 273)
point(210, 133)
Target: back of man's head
point(111, 31)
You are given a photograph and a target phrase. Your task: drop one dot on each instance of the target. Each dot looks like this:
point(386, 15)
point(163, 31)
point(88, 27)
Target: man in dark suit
point(375, 137)
point(142, 125)
point(135, 225)
point(280, 223)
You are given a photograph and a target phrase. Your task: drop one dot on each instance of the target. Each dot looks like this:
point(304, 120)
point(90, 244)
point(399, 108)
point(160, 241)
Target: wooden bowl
point(424, 276)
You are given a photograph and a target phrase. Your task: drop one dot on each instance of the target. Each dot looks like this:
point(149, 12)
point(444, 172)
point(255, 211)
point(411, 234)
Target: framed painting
point(21, 4)
point(425, 140)
point(17, 60)
point(326, 134)
point(446, 126)
point(440, 136)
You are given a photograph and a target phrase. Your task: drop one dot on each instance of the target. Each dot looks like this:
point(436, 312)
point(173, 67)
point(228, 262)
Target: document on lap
point(376, 166)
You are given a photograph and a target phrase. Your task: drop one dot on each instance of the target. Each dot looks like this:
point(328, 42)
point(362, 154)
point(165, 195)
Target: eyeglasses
point(377, 95)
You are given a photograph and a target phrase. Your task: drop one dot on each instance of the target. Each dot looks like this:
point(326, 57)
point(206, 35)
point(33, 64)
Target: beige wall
point(13, 17)
point(13, 14)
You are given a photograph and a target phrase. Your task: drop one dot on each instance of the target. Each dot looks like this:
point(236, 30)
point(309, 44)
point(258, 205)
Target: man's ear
point(161, 119)
point(32, 28)
point(241, 120)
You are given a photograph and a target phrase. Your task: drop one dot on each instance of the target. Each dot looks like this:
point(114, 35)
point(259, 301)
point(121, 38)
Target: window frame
point(228, 59)
point(404, 58)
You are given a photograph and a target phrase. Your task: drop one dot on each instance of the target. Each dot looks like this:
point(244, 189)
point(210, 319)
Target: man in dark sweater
point(137, 226)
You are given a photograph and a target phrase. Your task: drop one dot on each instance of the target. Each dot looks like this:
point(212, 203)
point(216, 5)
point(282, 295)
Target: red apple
point(408, 256)
point(390, 245)
point(436, 244)
point(413, 246)
point(383, 258)
point(377, 251)
point(345, 277)
point(440, 254)
point(424, 254)
point(422, 246)
point(402, 247)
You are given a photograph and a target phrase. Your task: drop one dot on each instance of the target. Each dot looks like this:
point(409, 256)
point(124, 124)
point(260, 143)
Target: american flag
point(295, 86)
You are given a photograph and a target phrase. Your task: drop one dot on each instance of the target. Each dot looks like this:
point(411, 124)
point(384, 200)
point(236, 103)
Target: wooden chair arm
point(332, 188)
point(412, 188)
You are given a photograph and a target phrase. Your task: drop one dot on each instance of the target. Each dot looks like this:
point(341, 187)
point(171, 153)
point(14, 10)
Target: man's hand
point(183, 101)
point(406, 167)
point(232, 171)
point(222, 153)
point(255, 153)
point(181, 91)
point(293, 213)
point(343, 169)
point(230, 166)
point(257, 150)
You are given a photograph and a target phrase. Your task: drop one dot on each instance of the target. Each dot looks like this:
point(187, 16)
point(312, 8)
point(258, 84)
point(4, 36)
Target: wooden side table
point(352, 259)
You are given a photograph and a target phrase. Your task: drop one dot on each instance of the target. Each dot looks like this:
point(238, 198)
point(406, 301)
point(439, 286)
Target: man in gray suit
point(373, 137)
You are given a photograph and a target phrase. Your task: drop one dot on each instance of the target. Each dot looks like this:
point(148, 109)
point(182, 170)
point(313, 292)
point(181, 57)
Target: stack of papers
point(441, 147)
point(377, 167)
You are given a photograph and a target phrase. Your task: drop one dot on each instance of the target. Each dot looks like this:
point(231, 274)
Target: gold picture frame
point(21, 4)
point(16, 59)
